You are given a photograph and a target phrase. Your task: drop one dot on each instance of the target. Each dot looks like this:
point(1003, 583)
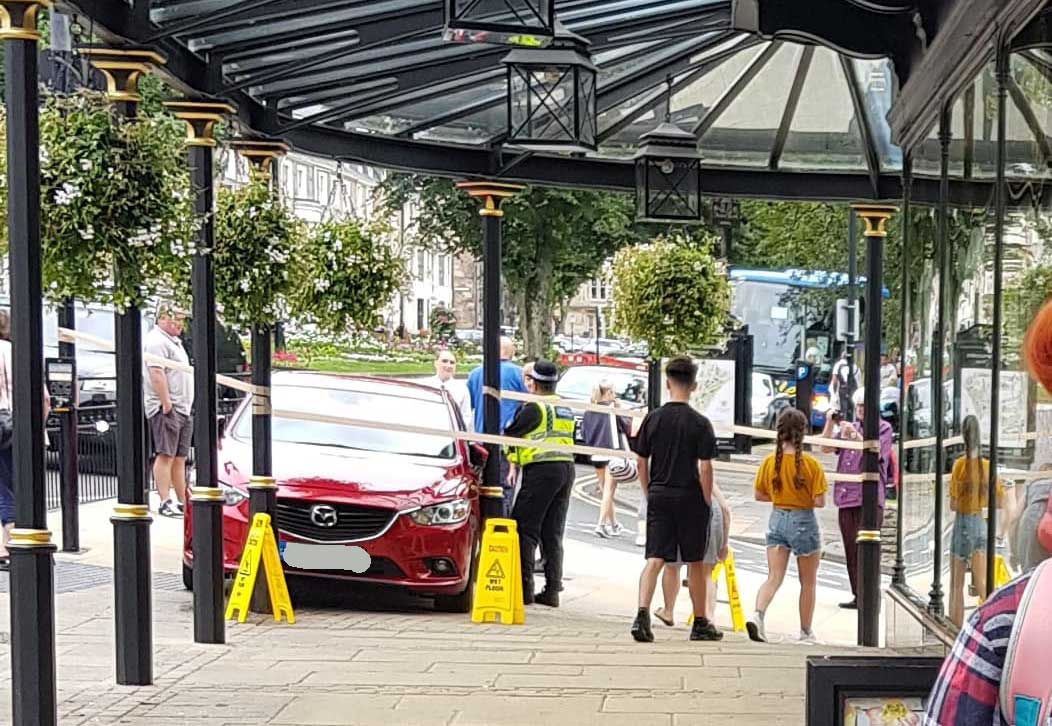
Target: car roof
point(360, 384)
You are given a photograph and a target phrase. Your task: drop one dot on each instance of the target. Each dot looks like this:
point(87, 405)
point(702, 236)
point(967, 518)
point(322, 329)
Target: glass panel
point(824, 133)
point(876, 80)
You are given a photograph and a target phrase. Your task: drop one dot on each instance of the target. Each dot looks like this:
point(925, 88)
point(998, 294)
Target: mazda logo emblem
point(323, 515)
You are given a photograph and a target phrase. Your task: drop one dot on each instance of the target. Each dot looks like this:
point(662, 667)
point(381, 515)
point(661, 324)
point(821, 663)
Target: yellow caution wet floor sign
point(260, 548)
point(498, 589)
point(1002, 575)
point(733, 597)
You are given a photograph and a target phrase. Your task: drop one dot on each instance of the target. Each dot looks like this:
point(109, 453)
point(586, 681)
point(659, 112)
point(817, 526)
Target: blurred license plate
point(308, 556)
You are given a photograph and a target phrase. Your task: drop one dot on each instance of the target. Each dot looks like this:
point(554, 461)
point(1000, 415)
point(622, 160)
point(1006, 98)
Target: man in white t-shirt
point(169, 398)
point(445, 370)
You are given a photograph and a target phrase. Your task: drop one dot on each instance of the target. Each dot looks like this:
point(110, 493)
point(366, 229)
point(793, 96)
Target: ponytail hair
point(791, 427)
point(1037, 347)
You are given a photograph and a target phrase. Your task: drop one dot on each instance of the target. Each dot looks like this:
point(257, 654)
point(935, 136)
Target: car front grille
point(352, 522)
point(379, 567)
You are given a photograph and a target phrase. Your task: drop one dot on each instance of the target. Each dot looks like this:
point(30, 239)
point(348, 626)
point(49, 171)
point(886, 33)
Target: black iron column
point(898, 576)
point(935, 597)
point(69, 444)
point(492, 195)
point(207, 500)
point(31, 551)
point(1002, 72)
point(653, 384)
point(875, 218)
point(263, 156)
point(132, 581)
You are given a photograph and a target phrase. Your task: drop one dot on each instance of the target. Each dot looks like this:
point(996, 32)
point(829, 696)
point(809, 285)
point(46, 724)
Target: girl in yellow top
point(969, 495)
point(795, 484)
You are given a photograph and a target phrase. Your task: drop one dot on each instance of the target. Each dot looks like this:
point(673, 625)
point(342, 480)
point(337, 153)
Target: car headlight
point(446, 513)
point(232, 496)
point(820, 404)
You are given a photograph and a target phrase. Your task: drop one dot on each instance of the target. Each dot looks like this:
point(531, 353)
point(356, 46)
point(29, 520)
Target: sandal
point(663, 617)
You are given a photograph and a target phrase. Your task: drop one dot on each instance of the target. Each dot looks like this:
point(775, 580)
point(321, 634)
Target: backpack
point(1026, 689)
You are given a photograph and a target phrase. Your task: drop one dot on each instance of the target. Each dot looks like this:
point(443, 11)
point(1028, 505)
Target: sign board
point(714, 396)
point(1014, 405)
point(260, 550)
point(498, 589)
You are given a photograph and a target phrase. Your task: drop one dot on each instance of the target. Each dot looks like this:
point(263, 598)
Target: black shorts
point(677, 525)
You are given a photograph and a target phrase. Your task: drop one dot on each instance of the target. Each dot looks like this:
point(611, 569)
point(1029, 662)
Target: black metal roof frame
point(296, 71)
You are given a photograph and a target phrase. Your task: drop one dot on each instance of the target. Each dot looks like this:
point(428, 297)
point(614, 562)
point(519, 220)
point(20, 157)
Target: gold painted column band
point(132, 511)
point(875, 217)
point(18, 19)
point(200, 118)
point(492, 492)
point(208, 494)
point(260, 153)
point(262, 482)
point(261, 405)
point(122, 69)
point(492, 195)
point(29, 538)
point(868, 535)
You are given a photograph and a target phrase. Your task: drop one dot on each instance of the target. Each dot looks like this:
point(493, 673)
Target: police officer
point(547, 479)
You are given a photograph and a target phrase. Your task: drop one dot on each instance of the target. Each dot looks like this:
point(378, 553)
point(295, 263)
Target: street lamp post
point(132, 582)
point(875, 218)
point(207, 501)
point(492, 195)
point(33, 696)
point(263, 156)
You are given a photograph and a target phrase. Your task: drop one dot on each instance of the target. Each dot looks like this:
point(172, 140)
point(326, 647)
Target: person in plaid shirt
point(966, 691)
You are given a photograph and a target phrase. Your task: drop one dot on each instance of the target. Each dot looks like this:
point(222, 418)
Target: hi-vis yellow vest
point(556, 427)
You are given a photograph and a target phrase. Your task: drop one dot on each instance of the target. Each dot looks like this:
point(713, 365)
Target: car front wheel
point(461, 602)
point(188, 577)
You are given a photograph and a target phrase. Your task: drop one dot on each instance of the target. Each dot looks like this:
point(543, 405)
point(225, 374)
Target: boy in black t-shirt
point(675, 448)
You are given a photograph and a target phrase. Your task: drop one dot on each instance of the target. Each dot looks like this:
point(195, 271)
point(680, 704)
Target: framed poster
point(1014, 403)
point(869, 691)
point(714, 396)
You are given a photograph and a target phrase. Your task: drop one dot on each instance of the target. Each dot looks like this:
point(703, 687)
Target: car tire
point(461, 602)
point(188, 577)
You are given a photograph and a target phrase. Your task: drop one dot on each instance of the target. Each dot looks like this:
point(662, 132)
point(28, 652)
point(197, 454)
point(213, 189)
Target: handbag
point(621, 470)
point(1044, 526)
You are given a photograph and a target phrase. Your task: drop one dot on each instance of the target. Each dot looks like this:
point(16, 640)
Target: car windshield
point(578, 382)
point(377, 407)
point(776, 331)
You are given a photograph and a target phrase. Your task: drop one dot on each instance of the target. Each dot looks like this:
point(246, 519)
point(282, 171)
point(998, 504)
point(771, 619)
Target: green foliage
point(553, 239)
point(256, 238)
point(117, 222)
point(672, 293)
point(443, 324)
point(345, 273)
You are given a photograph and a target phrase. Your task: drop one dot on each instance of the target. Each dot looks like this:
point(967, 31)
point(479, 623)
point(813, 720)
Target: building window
point(599, 289)
point(441, 270)
point(420, 323)
point(312, 187)
point(301, 181)
point(420, 255)
point(323, 187)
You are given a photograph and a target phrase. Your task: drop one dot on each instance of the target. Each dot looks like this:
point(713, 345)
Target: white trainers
point(755, 626)
point(616, 530)
point(808, 637)
point(601, 531)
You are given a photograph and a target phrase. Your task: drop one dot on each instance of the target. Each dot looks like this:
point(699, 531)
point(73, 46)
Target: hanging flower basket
point(346, 274)
point(256, 238)
point(116, 215)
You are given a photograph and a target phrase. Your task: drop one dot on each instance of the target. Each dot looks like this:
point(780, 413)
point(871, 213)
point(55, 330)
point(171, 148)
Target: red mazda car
point(361, 504)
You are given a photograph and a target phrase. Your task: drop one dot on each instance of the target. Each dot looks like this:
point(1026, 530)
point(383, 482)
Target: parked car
point(409, 500)
point(763, 393)
point(576, 384)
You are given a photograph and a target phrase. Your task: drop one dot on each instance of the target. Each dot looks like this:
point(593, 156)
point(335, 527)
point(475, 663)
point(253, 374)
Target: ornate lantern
point(511, 22)
point(668, 176)
point(551, 95)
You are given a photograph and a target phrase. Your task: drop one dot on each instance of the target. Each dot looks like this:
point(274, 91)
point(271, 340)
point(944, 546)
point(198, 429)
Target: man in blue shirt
point(510, 380)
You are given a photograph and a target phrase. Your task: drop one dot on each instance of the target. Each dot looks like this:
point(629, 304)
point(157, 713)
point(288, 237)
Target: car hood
point(303, 471)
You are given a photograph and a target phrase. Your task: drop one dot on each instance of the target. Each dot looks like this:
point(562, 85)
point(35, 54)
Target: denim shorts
point(969, 536)
point(795, 530)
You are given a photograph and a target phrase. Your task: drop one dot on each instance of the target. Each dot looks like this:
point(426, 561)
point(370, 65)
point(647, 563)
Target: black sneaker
point(703, 629)
point(849, 605)
point(641, 627)
point(547, 597)
point(527, 598)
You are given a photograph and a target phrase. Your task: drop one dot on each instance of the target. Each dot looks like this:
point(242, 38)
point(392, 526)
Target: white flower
point(246, 285)
point(85, 164)
point(88, 232)
point(321, 285)
point(66, 194)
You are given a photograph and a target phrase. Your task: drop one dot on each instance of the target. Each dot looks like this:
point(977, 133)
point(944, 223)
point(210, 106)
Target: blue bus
point(789, 324)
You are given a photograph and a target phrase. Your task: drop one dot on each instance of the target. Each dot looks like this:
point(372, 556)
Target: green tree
point(553, 239)
point(672, 293)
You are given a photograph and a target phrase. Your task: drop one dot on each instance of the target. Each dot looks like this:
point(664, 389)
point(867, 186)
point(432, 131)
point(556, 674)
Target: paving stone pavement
point(361, 666)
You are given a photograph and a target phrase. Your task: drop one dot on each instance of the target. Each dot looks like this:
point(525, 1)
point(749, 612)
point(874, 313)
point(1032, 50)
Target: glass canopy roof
point(381, 68)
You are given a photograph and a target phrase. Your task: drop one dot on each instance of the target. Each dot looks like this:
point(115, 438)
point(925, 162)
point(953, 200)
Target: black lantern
point(668, 176)
point(511, 22)
point(551, 95)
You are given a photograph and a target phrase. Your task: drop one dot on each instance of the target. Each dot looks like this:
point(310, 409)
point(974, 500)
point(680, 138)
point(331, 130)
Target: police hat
point(545, 371)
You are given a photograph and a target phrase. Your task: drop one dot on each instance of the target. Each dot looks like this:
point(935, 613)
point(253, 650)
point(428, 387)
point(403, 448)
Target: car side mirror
point(477, 455)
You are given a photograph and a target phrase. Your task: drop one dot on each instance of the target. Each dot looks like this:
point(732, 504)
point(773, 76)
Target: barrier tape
point(72, 336)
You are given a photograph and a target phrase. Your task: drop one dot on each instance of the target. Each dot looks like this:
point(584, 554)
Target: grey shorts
point(171, 433)
point(716, 527)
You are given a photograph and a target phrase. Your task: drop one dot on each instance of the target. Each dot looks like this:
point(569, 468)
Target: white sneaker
point(616, 530)
point(600, 530)
point(755, 626)
point(808, 636)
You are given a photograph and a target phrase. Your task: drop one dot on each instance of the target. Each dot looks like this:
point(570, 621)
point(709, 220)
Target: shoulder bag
point(621, 470)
